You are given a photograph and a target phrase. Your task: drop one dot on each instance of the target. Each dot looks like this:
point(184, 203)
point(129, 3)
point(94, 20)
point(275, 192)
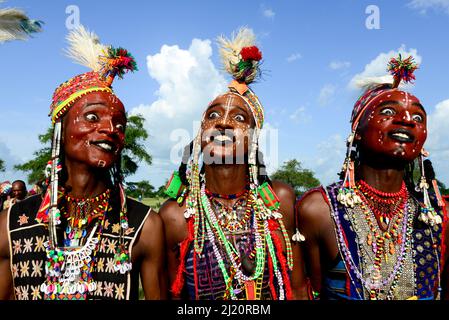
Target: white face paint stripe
point(228, 105)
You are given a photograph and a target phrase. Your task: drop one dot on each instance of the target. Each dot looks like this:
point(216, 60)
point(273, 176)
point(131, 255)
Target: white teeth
point(222, 138)
point(401, 135)
point(105, 146)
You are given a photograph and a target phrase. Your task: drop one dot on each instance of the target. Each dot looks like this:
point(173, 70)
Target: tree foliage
point(2, 165)
point(299, 178)
point(141, 188)
point(133, 153)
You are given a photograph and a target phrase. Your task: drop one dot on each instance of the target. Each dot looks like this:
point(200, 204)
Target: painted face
point(395, 127)
point(94, 130)
point(226, 130)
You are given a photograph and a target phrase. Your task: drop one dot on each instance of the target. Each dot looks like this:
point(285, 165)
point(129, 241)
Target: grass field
point(154, 203)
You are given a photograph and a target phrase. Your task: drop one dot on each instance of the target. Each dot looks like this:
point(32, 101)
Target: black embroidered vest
point(28, 256)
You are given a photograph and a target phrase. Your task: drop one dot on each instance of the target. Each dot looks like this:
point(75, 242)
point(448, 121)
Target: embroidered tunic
point(28, 255)
point(419, 269)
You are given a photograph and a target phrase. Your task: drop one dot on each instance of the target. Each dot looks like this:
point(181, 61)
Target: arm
point(316, 224)
point(6, 284)
point(298, 279)
point(150, 249)
point(175, 228)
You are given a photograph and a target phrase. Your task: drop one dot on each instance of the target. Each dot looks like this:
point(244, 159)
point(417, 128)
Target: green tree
point(133, 152)
point(2, 165)
point(141, 188)
point(160, 193)
point(300, 179)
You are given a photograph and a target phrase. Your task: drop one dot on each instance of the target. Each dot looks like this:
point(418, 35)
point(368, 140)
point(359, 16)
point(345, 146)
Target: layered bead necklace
point(210, 221)
point(69, 268)
point(380, 250)
point(384, 205)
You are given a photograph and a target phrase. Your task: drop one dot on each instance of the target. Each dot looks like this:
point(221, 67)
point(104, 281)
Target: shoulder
point(171, 211)
point(175, 225)
point(284, 191)
point(313, 209)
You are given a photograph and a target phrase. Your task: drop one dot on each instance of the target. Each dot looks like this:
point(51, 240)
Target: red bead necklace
point(385, 205)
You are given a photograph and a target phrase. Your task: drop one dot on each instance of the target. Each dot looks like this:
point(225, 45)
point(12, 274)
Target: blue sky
point(312, 51)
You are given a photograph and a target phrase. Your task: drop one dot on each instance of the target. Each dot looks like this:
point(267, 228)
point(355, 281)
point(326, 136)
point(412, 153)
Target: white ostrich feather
point(15, 25)
point(85, 48)
point(230, 48)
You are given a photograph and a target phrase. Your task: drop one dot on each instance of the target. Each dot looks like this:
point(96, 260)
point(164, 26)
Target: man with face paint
point(84, 239)
point(377, 235)
point(228, 234)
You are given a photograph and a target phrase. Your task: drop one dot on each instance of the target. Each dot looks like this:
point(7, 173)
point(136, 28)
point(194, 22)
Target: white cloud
point(423, 5)
point(188, 81)
point(294, 57)
point(378, 67)
point(268, 13)
point(300, 116)
point(336, 65)
point(437, 142)
point(326, 94)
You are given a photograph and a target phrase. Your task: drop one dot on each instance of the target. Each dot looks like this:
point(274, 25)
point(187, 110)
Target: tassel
point(283, 264)
point(402, 70)
point(178, 284)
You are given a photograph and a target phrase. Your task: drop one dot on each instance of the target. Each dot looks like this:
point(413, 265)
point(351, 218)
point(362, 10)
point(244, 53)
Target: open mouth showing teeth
point(402, 135)
point(223, 139)
point(104, 145)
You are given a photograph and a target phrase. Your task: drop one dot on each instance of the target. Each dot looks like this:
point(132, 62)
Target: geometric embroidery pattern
point(28, 243)
point(39, 246)
point(37, 268)
point(17, 246)
point(109, 289)
point(36, 293)
point(110, 265)
point(119, 291)
point(24, 267)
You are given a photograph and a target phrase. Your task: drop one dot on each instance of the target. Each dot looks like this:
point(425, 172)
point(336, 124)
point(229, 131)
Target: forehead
point(17, 185)
point(398, 98)
point(228, 100)
point(101, 98)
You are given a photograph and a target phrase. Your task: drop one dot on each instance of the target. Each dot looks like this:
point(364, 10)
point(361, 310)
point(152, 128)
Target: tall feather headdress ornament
point(16, 25)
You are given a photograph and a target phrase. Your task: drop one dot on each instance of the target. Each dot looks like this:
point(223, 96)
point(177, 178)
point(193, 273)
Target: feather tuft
point(15, 25)
point(240, 56)
point(402, 69)
point(117, 62)
point(85, 48)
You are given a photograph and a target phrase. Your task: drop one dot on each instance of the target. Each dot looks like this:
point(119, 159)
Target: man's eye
point(239, 118)
point(387, 112)
point(121, 127)
point(418, 118)
point(91, 117)
point(214, 115)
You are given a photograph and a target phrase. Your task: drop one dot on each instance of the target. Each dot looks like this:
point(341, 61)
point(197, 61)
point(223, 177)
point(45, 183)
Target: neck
point(386, 180)
point(84, 181)
point(226, 179)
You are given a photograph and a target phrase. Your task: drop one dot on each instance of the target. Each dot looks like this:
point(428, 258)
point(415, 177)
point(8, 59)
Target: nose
point(404, 118)
point(107, 126)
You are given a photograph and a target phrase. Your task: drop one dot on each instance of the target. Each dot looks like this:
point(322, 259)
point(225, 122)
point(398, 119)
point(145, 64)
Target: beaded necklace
point(69, 269)
point(79, 213)
point(383, 204)
point(231, 219)
point(228, 196)
point(376, 283)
